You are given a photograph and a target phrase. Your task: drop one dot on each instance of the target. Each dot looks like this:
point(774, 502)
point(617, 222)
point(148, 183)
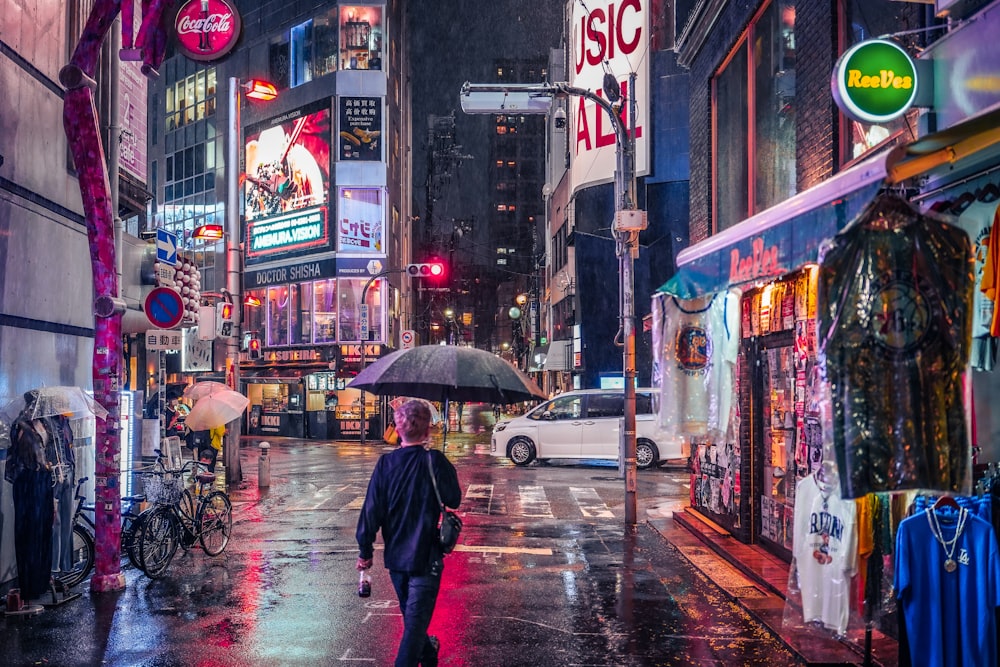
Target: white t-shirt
point(825, 546)
point(697, 342)
point(977, 221)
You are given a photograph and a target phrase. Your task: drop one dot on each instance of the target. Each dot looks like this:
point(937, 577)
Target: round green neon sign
point(874, 81)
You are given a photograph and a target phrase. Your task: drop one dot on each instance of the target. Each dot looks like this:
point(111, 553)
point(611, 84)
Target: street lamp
point(254, 89)
point(628, 221)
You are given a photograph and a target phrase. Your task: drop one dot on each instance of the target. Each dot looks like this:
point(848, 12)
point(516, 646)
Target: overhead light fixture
point(262, 91)
point(209, 232)
point(251, 300)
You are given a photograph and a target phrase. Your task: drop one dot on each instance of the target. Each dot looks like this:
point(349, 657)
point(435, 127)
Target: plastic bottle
point(365, 585)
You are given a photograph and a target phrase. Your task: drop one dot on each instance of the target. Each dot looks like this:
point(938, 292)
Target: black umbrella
point(447, 372)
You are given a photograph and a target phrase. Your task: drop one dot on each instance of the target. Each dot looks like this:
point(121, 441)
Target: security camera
point(560, 118)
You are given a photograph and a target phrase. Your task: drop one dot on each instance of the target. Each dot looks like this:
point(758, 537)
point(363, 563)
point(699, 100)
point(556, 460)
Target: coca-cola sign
point(207, 29)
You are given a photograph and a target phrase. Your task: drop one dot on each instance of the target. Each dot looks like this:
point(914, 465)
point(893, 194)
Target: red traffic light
point(254, 348)
point(434, 270)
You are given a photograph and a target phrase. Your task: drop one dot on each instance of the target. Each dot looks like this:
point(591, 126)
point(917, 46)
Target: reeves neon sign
point(874, 81)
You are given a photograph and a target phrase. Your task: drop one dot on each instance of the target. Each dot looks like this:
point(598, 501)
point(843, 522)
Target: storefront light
point(209, 232)
point(251, 300)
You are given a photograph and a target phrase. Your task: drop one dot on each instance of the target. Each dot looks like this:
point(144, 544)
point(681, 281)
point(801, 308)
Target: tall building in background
point(322, 204)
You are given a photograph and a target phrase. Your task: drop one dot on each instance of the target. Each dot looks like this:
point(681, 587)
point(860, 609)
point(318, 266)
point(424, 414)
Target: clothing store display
point(825, 551)
point(990, 282)
point(894, 334)
point(699, 340)
point(977, 222)
point(948, 585)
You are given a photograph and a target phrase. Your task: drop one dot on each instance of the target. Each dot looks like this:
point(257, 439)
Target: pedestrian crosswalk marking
point(590, 503)
point(355, 504)
point(534, 502)
point(482, 549)
point(484, 499)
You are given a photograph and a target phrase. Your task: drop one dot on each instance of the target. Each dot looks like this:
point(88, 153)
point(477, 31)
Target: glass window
point(763, 154)
point(561, 407)
point(301, 54)
point(325, 311)
point(606, 405)
point(301, 320)
point(360, 37)
point(279, 62)
point(277, 315)
point(253, 316)
point(350, 309)
point(325, 31)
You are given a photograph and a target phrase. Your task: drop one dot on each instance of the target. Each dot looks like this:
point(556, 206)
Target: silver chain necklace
point(948, 545)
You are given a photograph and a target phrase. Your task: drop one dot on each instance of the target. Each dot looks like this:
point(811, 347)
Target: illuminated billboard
point(359, 220)
point(608, 35)
point(288, 162)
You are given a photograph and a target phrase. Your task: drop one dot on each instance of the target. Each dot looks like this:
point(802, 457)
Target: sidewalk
point(756, 580)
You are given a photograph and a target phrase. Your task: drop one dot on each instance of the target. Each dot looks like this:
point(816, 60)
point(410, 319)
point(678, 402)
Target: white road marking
point(590, 503)
point(483, 549)
point(355, 504)
point(534, 502)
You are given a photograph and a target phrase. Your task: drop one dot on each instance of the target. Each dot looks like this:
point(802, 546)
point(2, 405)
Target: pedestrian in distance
point(401, 503)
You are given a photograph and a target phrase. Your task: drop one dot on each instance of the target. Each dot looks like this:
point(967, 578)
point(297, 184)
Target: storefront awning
point(942, 151)
point(779, 240)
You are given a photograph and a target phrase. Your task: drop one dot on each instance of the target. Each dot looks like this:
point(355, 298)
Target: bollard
point(264, 467)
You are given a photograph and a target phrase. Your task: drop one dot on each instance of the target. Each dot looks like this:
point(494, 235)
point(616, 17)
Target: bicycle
point(177, 520)
point(84, 530)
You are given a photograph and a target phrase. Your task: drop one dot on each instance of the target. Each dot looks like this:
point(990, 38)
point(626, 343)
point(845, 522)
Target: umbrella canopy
point(71, 402)
point(202, 389)
point(216, 410)
point(447, 372)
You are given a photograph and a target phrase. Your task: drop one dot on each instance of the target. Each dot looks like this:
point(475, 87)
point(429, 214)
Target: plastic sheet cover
point(695, 345)
point(894, 334)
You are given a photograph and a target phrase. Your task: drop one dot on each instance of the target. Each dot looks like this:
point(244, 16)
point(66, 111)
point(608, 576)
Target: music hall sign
point(207, 29)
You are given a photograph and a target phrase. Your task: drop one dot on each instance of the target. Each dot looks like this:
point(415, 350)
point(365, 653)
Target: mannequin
point(29, 471)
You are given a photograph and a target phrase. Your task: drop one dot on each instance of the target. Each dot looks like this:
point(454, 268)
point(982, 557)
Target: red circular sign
point(164, 307)
point(207, 29)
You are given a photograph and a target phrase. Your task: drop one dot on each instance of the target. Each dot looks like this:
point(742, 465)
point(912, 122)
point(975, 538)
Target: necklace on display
point(948, 545)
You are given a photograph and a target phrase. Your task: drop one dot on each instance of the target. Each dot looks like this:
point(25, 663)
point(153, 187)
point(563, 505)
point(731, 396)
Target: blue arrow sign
point(166, 247)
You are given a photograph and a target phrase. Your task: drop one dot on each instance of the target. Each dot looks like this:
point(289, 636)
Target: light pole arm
point(364, 342)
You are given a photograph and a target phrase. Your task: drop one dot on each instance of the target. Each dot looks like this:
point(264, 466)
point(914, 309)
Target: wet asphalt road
point(545, 574)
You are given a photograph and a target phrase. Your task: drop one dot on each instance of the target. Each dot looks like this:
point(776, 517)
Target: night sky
point(454, 41)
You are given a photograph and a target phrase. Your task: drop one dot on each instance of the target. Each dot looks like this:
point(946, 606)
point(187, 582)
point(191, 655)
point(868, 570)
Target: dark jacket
point(401, 503)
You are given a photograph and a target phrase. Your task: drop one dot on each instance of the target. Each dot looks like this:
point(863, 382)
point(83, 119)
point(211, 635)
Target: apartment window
point(190, 99)
point(754, 118)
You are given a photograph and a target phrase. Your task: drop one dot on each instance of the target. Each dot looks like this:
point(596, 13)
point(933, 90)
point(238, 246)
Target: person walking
point(401, 503)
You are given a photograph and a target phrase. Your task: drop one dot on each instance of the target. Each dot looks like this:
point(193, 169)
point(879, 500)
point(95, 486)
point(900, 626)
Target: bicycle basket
point(165, 489)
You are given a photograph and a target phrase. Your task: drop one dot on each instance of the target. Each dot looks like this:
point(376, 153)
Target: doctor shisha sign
point(207, 29)
point(874, 81)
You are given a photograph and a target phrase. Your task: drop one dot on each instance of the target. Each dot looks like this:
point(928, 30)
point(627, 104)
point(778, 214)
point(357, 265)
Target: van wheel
point(646, 454)
point(521, 451)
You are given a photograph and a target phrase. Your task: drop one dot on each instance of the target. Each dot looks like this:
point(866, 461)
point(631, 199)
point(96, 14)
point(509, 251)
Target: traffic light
point(224, 319)
point(430, 270)
point(254, 348)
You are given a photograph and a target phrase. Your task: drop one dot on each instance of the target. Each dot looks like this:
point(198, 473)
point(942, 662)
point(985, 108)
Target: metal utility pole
point(628, 222)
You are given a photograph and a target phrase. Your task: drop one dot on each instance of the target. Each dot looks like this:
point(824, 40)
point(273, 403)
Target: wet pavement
point(545, 574)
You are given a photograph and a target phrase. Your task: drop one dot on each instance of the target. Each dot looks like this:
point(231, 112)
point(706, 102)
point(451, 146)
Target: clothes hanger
point(947, 501)
point(989, 193)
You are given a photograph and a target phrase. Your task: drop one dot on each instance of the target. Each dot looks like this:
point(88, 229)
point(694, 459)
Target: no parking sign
point(406, 337)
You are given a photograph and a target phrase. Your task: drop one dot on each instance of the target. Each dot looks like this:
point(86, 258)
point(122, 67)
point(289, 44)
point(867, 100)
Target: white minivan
point(582, 424)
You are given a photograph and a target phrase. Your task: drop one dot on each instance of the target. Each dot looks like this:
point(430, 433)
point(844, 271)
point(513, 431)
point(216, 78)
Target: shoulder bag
point(451, 523)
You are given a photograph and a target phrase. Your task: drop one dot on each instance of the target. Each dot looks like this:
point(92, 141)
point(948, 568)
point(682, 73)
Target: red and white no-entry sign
point(406, 337)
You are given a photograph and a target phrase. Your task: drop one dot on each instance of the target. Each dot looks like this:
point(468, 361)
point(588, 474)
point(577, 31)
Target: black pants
point(33, 514)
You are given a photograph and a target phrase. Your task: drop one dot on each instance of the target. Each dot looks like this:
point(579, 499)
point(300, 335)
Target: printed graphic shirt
point(990, 281)
point(950, 617)
point(894, 333)
point(698, 341)
point(825, 546)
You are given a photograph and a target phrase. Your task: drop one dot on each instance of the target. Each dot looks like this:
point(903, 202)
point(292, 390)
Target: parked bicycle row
point(182, 509)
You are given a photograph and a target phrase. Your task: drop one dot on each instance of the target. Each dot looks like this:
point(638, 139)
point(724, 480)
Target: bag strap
point(430, 469)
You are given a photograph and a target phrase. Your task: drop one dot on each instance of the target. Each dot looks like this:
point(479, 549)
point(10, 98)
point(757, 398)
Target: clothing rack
point(955, 184)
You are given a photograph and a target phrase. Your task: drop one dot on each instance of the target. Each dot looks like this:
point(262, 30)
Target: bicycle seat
point(205, 477)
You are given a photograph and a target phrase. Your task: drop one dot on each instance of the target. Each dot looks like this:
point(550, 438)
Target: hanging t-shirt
point(977, 222)
point(894, 332)
point(698, 343)
point(989, 284)
point(950, 616)
point(825, 547)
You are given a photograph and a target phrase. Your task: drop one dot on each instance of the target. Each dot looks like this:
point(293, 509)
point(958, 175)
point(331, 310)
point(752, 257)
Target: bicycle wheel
point(157, 541)
point(83, 558)
point(215, 522)
point(130, 530)
point(187, 516)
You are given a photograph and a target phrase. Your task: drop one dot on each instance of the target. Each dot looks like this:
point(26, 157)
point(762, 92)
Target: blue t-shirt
point(949, 615)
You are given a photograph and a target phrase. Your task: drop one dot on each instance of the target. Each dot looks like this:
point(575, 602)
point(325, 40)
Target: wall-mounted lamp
point(262, 91)
point(251, 300)
point(209, 232)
